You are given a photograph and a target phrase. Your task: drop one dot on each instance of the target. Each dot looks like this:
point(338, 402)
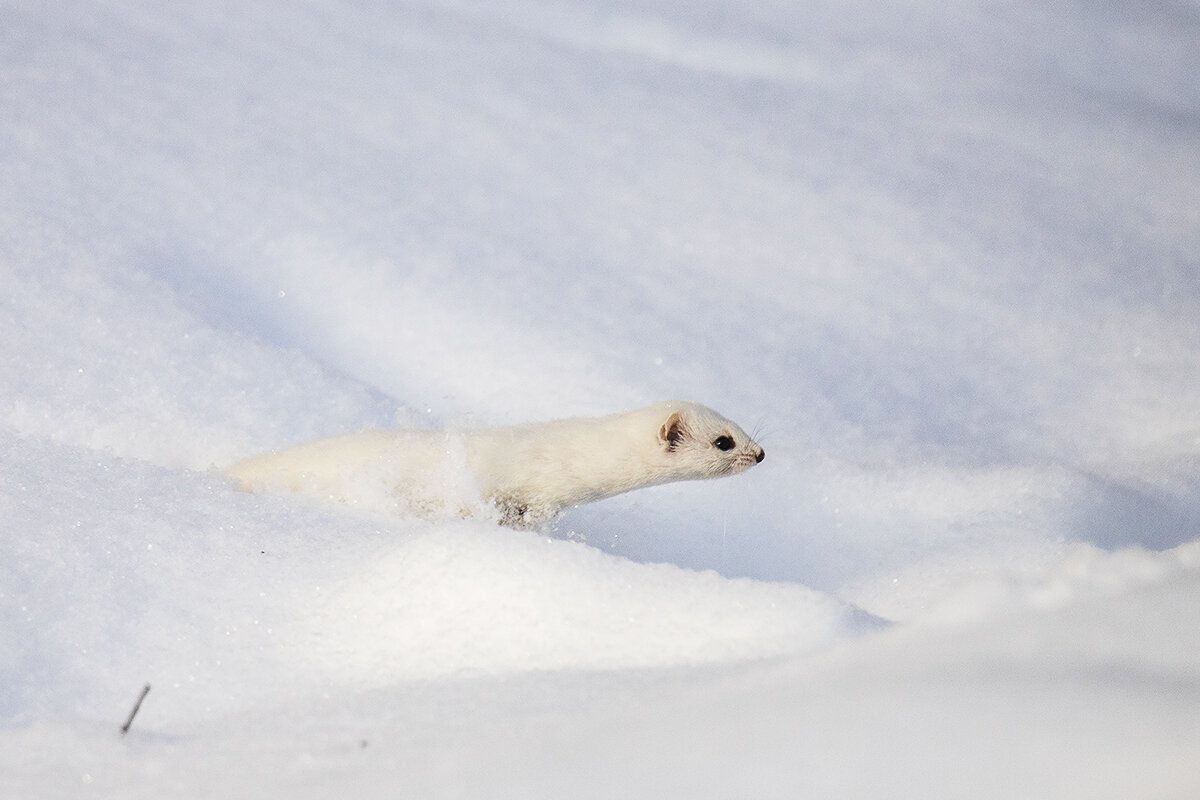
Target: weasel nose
point(761, 455)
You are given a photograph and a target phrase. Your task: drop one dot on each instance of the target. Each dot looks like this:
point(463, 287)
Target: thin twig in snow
point(136, 706)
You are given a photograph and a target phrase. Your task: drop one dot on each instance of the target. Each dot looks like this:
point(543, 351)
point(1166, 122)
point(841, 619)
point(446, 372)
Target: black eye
point(723, 443)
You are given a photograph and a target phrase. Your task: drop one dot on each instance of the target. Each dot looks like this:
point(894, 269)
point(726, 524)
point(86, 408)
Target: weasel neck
point(571, 461)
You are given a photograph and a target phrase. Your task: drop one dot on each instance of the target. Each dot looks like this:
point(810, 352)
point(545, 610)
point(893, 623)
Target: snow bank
point(460, 600)
point(281, 597)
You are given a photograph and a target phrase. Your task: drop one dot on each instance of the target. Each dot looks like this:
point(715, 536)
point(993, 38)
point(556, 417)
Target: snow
point(943, 259)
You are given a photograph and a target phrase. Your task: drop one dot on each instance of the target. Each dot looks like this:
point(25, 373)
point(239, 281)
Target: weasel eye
point(723, 443)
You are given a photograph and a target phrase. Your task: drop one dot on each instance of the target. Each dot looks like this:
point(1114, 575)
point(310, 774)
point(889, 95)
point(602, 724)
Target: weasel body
point(529, 472)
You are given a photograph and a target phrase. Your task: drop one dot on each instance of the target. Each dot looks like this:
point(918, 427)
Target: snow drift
point(945, 258)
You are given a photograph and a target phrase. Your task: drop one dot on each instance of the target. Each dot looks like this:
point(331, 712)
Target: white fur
point(529, 472)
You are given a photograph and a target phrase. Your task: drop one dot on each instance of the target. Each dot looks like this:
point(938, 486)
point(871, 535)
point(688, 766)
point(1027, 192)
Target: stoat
point(528, 472)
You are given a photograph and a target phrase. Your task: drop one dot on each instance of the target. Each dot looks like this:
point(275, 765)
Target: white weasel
point(529, 472)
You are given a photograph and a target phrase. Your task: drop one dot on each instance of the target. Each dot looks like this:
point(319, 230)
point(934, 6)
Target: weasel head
point(703, 444)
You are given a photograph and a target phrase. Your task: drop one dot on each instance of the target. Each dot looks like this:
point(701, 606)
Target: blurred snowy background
point(946, 258)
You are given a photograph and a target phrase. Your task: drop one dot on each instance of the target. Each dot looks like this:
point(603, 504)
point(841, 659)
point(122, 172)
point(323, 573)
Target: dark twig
point(136, 706)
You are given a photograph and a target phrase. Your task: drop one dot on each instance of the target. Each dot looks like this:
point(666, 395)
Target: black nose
point(761, 455)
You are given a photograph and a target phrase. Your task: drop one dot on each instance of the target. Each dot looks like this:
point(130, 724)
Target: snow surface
point(943, 257)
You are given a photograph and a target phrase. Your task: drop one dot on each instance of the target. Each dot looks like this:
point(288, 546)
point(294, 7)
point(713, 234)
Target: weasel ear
point(671, 431)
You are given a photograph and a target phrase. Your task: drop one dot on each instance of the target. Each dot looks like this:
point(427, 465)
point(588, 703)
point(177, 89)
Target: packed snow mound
point(468, 599)
point(287, 594)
